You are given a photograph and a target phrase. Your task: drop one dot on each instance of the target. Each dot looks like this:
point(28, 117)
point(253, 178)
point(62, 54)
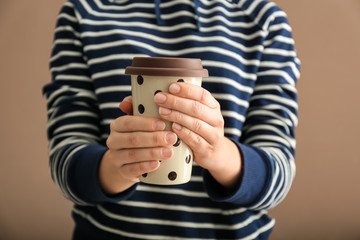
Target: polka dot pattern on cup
point(140, 80)
point(172, 176)
point(181, 80)
point(188, 159)
point(156, 92)
point(141, 108)
point(178, 141)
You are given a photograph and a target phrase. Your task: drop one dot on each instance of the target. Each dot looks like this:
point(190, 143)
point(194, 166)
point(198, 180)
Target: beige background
point(324, 202)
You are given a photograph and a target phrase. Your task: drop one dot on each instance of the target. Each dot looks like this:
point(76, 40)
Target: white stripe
point(67, 29)
point(281, 52)
point(109, 73)
point(109, 105)
point(137, 24)
point(68, 67)
point(262, 112)
point(221, 9)
point(125, 7)
point(176, 2)
point(233, 114)
point(115, 15)
point(262, 138)
point(65, 77)
point(224, 65)
point(233, 33)
point(54, 120)
point(232, 131)
point(72, 135)
point(114, 57)
point(280, 26)
point(68, 141)
point(230, 82)
point(66, 41)
point(170, 191)
point(279, 38)
point(232, 98)
point(75, 126)
point(275, 98)
point(178, 40)
point(183, 13)
point(67, 17)
point(227, 22)
point(182, 208)
point(292, 65)
point(280, 73)
point(166, 222)
point(65, 54)
point(122, 88)
point(196, 178)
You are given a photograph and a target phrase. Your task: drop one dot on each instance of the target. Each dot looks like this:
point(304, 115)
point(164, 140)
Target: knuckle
point(112, 124)
point(128, 123)
point(158, 138)
point(204, 95)
point(220, 122)
point(109, 142)
point(197, 140)
point(178, 117)
point(153, 154)
point(197, 125)
point(197, 107)
point(133, 140)
point(132, 154)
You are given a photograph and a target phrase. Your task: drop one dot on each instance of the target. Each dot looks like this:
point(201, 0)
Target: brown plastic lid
point(163, 66)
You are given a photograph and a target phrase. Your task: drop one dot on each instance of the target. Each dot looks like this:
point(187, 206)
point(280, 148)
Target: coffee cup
point(150, 75)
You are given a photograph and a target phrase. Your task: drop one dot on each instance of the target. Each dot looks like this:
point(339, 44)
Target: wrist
point(228, 173)
point(111, 181)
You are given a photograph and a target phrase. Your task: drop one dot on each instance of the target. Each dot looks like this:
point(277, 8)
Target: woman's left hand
point(197, 120)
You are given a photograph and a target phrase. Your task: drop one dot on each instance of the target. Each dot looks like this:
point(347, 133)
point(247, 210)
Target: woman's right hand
point(136, 144)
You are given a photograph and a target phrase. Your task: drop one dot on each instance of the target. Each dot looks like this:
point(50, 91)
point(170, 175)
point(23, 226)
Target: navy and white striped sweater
point(248, 50)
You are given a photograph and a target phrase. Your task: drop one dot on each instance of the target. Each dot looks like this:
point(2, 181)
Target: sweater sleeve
point(73, 117)
point(267, 143)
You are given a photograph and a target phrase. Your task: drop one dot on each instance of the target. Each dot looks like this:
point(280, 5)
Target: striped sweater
point(248, 49)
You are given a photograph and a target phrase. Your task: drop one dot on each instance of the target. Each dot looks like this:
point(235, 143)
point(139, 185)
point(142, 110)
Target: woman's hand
point(136, 144)
point(197, 120)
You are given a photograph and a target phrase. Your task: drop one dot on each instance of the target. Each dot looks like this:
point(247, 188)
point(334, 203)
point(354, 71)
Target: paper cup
point(150, 75)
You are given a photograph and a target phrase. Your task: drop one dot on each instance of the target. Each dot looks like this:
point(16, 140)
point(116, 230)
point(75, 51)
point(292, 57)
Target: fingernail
point(176, 126)
point(167, 152)
point(164, 111)
point(127, 99)
point(160, 98)
point(171, 138)
point(174, 88)
point(153, 164)
point(159, 125)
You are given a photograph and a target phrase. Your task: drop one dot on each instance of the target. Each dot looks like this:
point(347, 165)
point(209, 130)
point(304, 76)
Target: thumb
point(126, 105)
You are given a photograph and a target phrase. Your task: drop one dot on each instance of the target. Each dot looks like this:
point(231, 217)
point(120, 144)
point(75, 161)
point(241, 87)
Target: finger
point(206, 131)
point(143, 154)
point(126, 105)
point(194, 92)
point(130, 140)
point(190, 107)
point(134, 170)
point(193, 140)
point(136, 123)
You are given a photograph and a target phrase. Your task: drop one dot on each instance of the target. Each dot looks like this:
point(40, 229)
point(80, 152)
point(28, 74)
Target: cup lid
point(164, 66)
